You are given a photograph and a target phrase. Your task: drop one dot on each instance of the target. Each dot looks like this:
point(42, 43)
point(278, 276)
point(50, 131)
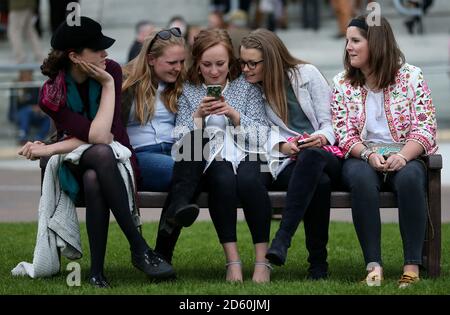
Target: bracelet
point(365, 154)
point(402, 156)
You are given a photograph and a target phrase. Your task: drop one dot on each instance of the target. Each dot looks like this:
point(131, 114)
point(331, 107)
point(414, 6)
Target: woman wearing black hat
point(82, 97)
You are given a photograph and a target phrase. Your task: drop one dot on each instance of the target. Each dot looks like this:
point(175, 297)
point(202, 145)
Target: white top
point(157, 130)
point(377, 124)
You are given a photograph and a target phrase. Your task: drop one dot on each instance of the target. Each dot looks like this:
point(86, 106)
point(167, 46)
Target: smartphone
point(303, 141)
point(214, 91)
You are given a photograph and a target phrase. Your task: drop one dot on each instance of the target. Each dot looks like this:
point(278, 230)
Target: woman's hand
point(220, 107)
point(311, 141)
point(289, 148)
point(377, 161)
point(204, 109)
point(395, 163)
point(95, 72)
point(34, 150)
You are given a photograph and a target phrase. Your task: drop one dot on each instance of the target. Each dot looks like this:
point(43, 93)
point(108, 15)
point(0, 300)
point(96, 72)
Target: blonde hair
point(278, 61)
point(205, 40)
point(140, 76)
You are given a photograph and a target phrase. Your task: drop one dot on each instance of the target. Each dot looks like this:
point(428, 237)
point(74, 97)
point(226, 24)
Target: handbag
point(385, 149)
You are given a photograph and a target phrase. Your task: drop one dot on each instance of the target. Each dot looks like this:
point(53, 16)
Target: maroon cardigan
point(76, 125)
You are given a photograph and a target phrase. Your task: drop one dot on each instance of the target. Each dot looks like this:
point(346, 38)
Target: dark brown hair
point(56, 61)
point(205, 40)
point(385, 57)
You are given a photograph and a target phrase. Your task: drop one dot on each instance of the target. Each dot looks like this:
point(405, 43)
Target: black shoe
point(277, 252)
point(185, 216)
point(153, 265)
point(99, 281)
point(319, 272)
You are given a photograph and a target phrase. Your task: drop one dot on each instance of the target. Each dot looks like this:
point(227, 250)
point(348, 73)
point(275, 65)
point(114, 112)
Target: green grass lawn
point(200, 265)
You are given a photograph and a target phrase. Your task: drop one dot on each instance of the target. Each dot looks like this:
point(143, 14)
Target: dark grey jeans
point(409, 186)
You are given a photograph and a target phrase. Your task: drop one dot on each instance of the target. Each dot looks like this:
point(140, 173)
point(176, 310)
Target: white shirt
point(376, 122)
point(157, 130)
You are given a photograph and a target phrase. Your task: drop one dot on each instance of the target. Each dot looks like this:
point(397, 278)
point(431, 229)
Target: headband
point(359, 23)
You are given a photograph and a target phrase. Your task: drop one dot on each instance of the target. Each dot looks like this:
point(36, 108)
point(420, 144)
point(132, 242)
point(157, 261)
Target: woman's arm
point(35, 150)
point(320, 93)
point(344, 122)
point(423, 114)
point(100, 131)
point(184, 121)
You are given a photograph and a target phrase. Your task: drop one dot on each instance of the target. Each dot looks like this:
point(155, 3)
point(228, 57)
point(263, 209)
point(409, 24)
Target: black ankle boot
point(317, 272)
point(187, 174)
point(277, 252)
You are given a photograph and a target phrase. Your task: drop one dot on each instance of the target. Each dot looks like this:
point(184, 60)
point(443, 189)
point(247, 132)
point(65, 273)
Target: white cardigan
point(314, 96)
point(58, 226)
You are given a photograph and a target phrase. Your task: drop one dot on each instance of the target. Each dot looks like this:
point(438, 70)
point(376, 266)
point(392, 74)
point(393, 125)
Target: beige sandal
point(263, 278)
point(407, 279)
point(230, 263)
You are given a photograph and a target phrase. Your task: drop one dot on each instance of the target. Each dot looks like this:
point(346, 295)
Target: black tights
point(104, 189)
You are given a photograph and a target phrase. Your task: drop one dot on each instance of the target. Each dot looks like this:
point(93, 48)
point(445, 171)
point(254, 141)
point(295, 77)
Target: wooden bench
point(341, 199)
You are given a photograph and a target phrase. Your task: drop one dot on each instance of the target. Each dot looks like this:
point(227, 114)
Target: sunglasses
point(250, 64)
point(165, 35)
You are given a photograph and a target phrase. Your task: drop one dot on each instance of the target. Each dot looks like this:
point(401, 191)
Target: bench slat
point(339, 199)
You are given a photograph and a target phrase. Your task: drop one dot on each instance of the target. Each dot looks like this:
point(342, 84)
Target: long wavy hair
point(278, 62)
point(205, 40)
point(56, 61)
point(385, 57)
point(140, 76)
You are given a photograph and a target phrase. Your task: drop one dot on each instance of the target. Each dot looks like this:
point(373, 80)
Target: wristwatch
point(365, 154)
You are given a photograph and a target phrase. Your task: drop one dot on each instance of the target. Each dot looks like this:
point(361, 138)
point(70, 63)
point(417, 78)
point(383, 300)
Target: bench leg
point(432, 245)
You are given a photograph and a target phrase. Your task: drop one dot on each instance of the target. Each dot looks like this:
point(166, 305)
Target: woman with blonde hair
point(153, 81)
point(298, 104)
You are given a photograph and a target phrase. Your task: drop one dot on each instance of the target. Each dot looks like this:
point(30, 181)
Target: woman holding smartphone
point(298, 103)
point(82, 96)
point(230, 124)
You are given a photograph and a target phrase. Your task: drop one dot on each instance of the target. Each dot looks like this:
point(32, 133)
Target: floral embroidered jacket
point(407, 103)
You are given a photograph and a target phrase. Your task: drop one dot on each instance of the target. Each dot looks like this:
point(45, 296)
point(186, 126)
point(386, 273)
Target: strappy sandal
point(228, 264)
point(268, 266)
point(263, 263)
point(407, 279)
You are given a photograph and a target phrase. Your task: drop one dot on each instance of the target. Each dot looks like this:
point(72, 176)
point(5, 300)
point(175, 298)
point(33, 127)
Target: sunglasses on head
point(165, 35)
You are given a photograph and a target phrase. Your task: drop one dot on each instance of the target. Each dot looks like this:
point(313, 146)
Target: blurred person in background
point(25, 111)
point(21, 21)
point(143, 29)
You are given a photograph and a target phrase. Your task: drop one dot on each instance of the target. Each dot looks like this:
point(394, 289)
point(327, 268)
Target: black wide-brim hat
point(86, 35)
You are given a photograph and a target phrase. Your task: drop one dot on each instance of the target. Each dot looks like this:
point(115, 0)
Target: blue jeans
point(27, 117)
point(409, 186)
point(156, 165)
